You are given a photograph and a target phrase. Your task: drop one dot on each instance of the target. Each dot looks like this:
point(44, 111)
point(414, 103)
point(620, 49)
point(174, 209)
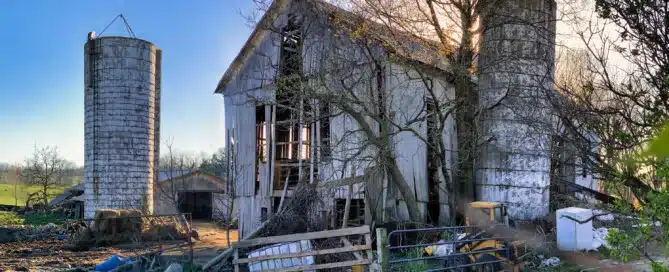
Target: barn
point(199, 193)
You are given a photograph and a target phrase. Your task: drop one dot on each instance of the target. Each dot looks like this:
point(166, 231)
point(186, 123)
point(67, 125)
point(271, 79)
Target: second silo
point(516, 71)
point(122, 117)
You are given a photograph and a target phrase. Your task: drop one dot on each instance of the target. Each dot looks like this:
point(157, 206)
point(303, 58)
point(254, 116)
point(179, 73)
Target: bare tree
point(620, 88)
point(47, 170)
point(225, 211)
point(175, 168)
point(435, 45)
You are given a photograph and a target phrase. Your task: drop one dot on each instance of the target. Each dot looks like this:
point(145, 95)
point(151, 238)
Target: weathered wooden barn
point(278, 141)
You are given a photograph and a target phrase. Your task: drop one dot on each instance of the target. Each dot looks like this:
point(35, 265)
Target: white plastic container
point(572, 235)
point(304, 245)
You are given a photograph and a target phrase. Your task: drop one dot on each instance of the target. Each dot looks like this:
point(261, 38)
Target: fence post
point(382, 248)
point(236, 254)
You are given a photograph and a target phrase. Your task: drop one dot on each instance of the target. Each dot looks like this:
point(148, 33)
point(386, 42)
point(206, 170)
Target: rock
point(599, 238)
point(374, 267)
point(550, 262)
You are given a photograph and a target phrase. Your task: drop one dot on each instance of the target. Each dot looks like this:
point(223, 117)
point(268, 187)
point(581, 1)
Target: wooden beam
point(304, 254)
point(341, 182)
point(322, 266)
point(301, 236)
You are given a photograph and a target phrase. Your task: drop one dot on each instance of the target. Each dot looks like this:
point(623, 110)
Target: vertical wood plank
point(368, 241)
point(347, 207)
point(382, 248)
point(236, 252)
point(272, 150)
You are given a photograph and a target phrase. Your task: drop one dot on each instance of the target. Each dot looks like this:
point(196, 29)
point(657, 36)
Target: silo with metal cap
point(122, 123)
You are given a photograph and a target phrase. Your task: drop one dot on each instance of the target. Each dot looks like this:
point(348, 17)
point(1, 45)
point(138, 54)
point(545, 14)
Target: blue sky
point(41, 68)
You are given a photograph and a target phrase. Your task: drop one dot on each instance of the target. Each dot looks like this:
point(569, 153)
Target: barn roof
point(407, 46)
point(165, 175)
point(188, 173)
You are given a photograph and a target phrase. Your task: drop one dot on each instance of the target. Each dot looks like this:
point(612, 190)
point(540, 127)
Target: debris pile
point(299, 215)
point(22, 233)
point(599, 238)
point(110, 227)
point(550, 262)
point(164, 229)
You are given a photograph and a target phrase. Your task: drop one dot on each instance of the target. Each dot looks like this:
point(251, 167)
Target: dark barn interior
point(198, 204)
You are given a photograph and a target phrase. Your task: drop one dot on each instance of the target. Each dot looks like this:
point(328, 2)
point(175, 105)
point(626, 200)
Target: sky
point(41, 68)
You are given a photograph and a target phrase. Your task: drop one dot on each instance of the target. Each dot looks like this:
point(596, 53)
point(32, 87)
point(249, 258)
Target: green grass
point(7, 193)
point(415, 266)
point(35, 219)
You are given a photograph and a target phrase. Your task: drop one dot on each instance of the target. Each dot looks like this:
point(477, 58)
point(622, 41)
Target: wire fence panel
point(452, 248)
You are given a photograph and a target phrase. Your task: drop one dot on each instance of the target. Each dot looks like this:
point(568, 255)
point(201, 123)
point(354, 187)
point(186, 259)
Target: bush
point(10, 218)
point(33, 218)
point(43, 218)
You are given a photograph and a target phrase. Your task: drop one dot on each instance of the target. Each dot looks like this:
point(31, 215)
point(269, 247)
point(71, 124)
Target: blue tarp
point(111, 263)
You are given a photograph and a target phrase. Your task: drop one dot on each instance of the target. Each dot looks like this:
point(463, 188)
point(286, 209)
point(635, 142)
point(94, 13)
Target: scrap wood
point(304, 197)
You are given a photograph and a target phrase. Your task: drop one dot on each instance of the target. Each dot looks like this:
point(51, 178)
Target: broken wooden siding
point(407, 106)
point(244, 92)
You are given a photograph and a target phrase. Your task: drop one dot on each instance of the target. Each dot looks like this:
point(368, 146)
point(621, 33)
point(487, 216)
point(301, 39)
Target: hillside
point(7, 193)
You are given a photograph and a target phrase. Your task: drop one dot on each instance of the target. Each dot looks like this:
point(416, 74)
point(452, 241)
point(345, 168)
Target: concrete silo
point(122, 123)
point(516, 67)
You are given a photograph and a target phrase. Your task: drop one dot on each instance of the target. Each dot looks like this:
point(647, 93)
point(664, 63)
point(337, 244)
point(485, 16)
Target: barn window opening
point(292, 127)
point(324, 123)
point(261, 143)
point(356, 214)
point(263, 214)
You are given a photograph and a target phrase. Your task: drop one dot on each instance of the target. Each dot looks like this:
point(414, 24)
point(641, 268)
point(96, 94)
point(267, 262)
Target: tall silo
point(516, 70)
point(122, 117)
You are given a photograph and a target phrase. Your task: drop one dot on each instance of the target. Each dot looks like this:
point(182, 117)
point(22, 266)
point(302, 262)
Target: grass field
point(7, 193)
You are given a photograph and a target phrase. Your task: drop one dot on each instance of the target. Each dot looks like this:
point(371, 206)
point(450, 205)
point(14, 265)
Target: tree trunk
point(465, 117)
point(397, 179)
point(466, 138)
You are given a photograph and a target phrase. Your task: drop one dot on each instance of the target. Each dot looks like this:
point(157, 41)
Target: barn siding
point(250, 86)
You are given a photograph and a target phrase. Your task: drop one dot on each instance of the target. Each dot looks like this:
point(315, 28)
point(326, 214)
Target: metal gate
point(411, 256)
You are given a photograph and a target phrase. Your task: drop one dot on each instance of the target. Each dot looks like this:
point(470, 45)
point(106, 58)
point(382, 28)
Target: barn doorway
point(198, 204)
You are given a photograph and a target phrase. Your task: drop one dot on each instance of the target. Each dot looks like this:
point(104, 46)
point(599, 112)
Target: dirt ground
point(212, 241)
point(53, 255)
point(593, 262)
